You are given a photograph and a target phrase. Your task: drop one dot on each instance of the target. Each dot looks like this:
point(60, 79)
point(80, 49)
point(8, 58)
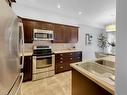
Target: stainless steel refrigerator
point(11, 49)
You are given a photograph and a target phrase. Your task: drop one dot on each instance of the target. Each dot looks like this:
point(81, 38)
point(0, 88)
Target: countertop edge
point(27, 54)
point(66, 51)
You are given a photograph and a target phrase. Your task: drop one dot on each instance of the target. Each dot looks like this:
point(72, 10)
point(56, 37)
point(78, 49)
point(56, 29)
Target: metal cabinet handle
point(21, 75)
point(61, 58)
point(61, 61)
point(71, 58)
point(61, 67)
point(61, 54)
point(70, 53)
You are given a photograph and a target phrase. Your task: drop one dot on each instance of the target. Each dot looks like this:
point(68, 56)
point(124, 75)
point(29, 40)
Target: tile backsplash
point(62, 46)
point(54, 46)
point(28, 47)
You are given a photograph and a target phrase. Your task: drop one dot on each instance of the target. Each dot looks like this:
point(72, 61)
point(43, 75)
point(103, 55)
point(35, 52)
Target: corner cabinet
point(63, 60)
point(62, 33)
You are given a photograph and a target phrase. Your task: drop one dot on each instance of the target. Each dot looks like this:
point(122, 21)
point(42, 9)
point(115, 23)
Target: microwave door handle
point(22, 44)
point(21, 75)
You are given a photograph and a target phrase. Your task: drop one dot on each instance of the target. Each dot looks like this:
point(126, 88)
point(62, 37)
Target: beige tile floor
point(60, 84)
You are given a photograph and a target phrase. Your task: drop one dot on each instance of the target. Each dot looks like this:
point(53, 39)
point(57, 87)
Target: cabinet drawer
point(60, 68)
point(64, 61)
point(61, 55)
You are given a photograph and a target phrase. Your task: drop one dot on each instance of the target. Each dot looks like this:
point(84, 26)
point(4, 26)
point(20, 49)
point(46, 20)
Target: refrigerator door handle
point(18, 89)
point(22, 43)
point(10, 43)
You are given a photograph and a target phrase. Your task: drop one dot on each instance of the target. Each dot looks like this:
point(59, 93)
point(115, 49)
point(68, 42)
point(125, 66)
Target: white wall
point(121, 50)
point(88, 50)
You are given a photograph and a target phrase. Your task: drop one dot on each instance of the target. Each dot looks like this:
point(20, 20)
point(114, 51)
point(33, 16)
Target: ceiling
point(98, 12)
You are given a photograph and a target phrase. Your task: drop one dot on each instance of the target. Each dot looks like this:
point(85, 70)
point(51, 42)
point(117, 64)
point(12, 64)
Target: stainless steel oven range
point(43, 62)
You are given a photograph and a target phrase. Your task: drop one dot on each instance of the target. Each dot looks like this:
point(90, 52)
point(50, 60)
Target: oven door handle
point(43, 56)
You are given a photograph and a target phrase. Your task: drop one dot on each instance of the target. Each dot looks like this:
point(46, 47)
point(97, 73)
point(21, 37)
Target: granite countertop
point(65, 51)
point(108, 58)
point(110, 88)
point(30, 53)
point(27, 53)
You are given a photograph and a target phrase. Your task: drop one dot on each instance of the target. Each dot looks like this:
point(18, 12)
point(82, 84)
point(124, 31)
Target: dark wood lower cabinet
point(27, 69)
point(63, 60)
point(81, 85)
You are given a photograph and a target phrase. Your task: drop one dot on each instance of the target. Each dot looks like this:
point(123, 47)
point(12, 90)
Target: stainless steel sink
point(106, 63)
point(100, 71)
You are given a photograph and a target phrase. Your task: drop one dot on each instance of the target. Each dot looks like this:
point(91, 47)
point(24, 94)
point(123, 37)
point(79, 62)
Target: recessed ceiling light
point(79, 13)
point(58, 6)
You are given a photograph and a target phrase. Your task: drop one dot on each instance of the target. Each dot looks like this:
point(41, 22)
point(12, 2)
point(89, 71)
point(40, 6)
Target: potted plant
point(102, 41)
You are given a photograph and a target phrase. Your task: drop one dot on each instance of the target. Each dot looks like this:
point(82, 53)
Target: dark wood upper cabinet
point(58, 34)
point(62, 33)
point(28, 30)
point(43, 25)
point(46, 26)
point(74, 35)
point(37, 25)
point(65, 34)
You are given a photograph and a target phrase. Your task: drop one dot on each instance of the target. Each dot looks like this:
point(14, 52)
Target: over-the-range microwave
point(40, 34)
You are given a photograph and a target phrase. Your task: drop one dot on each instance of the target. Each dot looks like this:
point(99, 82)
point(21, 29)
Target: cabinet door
point(58, 34)
point(27, 69)
point(43, 25)
point(47, 26)
point(28, 31)
point(67, 34)
point(74, 34)
point(37, 25)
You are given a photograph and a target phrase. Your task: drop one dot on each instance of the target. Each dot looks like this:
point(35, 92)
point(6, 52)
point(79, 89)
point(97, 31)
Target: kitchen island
point(91, 78)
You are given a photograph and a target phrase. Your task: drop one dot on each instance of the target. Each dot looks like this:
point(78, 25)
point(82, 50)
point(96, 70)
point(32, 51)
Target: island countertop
point(110, 88)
